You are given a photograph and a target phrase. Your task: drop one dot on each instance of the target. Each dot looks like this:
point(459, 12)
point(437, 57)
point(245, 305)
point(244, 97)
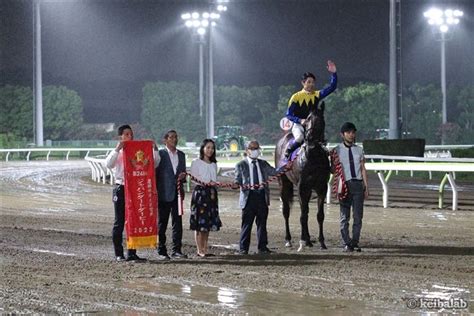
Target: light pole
point(442, 21)
point(395, 94)
point(38, 85)
point(201, 23)
point(198, 24)
point(210, 86)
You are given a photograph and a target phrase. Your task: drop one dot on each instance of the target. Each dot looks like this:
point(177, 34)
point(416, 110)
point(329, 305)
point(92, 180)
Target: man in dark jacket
point(172, 165)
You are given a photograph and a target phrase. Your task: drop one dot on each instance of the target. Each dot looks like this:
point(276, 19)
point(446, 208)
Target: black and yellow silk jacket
point(302, 103)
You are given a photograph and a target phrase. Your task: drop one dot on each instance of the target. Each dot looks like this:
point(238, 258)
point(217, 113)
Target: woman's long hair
point(201, 150)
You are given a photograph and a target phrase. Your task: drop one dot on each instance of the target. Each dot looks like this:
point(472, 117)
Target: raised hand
point(331, 66)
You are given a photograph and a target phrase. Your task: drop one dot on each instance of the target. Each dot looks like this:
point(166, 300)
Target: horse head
point(315, 126)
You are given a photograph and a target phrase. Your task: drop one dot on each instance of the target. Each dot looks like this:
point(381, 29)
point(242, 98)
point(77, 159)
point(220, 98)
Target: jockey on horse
point(303, 102)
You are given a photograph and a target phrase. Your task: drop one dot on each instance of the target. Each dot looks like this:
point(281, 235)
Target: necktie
point(255, 172)
point(351, 164)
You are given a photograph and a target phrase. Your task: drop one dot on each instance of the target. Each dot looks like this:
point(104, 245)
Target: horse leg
point(286, 194)
point(320, 216)
point(305, 196)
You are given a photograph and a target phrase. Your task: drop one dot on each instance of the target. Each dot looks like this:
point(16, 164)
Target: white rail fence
point(99, 171)
point(48, 151)
point(437, 160)
point(385, 166)
point(433, 151)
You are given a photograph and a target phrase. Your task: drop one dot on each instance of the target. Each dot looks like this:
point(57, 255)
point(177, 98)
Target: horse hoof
point(323, 247)
point(288, 244)
point(302, 245)
point(309, 244)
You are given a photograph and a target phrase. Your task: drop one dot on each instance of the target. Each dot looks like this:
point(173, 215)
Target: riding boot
point(290, 149)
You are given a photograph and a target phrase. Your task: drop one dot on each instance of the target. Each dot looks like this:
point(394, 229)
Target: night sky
point(107, 49)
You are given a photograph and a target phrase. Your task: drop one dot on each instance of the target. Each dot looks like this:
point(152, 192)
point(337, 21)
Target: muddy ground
point(57, 255)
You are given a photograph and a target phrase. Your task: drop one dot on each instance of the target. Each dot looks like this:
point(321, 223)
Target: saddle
point(293, 155)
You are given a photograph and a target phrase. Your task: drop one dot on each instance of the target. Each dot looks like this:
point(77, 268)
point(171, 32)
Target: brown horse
point(310, 171)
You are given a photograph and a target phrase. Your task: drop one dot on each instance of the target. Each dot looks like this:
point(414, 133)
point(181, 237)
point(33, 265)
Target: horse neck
point(314, 150)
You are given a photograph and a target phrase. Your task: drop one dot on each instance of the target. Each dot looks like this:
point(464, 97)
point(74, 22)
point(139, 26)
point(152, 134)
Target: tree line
point(174, 105)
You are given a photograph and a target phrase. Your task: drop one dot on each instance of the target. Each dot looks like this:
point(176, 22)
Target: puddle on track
point(440, 299)
point(252, 302)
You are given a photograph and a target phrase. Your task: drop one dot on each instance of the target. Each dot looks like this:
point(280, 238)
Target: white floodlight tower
point(201, 23)
point(443, 22)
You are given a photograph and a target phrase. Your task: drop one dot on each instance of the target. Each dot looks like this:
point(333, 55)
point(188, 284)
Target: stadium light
point(201, 24)
point(443, 21)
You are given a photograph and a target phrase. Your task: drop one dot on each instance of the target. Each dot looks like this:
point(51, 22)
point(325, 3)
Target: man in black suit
point(172, 164)
point(254, 199)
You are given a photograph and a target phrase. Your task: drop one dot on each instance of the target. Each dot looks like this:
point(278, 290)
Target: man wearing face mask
point(254, 198)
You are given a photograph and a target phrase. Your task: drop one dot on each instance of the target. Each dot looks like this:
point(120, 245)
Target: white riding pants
point(298, 132)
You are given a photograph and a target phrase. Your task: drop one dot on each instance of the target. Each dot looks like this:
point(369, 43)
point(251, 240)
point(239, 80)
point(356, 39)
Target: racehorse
point(310, 171)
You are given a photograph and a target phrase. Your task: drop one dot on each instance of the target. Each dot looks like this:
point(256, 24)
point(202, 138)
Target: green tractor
point(229, 138)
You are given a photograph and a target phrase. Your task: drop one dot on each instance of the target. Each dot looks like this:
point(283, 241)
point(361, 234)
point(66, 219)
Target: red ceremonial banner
point(141, 198)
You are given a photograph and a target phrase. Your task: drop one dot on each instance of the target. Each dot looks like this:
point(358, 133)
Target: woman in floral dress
point(204, 202)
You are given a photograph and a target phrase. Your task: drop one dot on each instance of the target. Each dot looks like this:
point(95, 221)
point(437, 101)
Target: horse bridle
point(307, 131)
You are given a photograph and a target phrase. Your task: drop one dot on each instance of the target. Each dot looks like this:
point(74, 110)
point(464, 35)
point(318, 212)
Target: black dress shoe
point(264, 251)
point(356, 248)
point(164, 257)
point(178, 255)
point(134, 257)
point(120, 258)
point(241, 252)
point(348, 248)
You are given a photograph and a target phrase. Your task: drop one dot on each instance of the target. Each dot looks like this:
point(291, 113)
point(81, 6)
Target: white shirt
point(251, 170)
point(174, 158)
point(358, 155)
point(203, 171)
point(114, 161)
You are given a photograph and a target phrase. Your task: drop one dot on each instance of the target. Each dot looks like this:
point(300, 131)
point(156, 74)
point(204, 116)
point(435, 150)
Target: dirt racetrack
point(57, 256)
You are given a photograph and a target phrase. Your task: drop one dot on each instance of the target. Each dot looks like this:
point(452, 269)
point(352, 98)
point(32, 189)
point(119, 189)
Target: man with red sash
point(134, 194)
point(351, 185)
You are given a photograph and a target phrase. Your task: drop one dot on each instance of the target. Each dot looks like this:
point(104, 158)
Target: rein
point(223, 185)
point(230, 185)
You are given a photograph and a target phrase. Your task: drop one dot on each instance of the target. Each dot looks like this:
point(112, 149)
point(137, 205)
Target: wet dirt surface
point(56, 255)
